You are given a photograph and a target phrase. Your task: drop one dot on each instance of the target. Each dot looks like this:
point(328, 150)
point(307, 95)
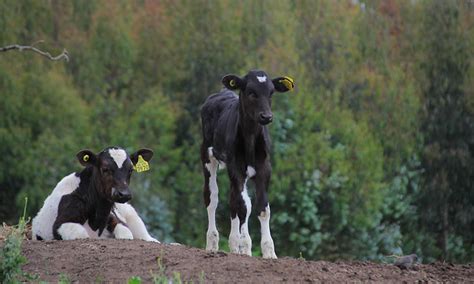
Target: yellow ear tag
point(232, 83)
point(141, 165)
point(288, 82)
point(85, 158)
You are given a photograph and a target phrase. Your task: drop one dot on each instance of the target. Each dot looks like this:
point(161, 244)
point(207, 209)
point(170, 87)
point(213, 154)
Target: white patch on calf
point(92, 233)
point(262, 79)
point(268, 248)
point(119, 156)
point(127, 214)
point(234, 237)
point(221, 164)
point(250, 172)
point(245, 240)
point(122, 232)
point(72, 231)
point(44, 220)
point(212, 236)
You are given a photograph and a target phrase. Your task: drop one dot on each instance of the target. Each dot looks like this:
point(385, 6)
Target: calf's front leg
point(131, 223)
point(262, 180)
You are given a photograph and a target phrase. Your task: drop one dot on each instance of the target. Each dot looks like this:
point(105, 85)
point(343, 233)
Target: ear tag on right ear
point(141, 165)
point(85, 158)
point(288, 82)
point(232, 83)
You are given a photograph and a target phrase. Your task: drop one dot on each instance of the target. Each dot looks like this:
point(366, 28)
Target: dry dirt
point(89, 261)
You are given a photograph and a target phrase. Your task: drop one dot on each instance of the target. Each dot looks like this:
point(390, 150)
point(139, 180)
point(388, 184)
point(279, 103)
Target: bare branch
point(64, 55)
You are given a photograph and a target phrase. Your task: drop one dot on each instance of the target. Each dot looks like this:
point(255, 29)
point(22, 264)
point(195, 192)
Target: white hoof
point(151, 239)
point(268, 249)
point(246, 245)
point(122, 232)
point(212, 243)
point(234, 244)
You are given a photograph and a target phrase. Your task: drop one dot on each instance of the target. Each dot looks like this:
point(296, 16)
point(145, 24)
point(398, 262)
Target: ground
point(89, 261)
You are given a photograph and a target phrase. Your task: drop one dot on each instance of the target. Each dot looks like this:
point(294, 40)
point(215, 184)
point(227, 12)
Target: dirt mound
point(118, 260)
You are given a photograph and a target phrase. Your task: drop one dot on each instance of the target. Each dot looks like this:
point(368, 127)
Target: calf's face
point(113, 168)
point(256, 91)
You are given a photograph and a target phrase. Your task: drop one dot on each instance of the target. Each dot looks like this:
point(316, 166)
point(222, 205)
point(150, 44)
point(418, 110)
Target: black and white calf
point(235, 135)
point(92, 203)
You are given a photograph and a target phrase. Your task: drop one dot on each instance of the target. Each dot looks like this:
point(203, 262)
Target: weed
point(64, 279)
point(134, 280)
point(11, 259)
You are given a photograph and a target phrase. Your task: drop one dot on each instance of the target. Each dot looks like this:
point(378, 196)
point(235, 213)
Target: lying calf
point(92, 203)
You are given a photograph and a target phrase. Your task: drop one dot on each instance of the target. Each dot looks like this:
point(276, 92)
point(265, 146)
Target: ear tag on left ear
point(288, 82)
point(85, 158)
point(232, 83)
point(141, 165)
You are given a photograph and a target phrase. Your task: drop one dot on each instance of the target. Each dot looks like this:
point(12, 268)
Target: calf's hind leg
point(211, 197)
point(72, 231)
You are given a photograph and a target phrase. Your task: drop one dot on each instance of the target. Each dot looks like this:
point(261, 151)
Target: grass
point(11, 259)
point(161, 278)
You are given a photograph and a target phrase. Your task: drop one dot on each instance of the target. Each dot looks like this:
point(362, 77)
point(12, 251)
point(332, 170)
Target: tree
point(448, 127)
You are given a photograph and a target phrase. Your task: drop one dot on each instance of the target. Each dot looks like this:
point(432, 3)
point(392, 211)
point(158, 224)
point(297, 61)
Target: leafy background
point(372, 153)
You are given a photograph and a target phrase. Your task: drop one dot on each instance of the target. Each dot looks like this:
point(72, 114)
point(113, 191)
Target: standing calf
point(235, 134)
point(92, 203)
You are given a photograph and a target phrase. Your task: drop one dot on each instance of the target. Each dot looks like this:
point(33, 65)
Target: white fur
point(245, 240)
point(119, 156)
point(95, 234)
point(234, 237)
point(262, 79)
point(268, 248)
point(72, 231)
point(122, 232)
point(129, 216)
point(221, 164)
point(212, 236)
point(43, 222)
point(250, 172)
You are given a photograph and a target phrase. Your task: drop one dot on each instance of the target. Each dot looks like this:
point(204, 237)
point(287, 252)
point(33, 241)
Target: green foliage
point(64, 279)
point(11, 259)
point(448, 125)
point(369, 152)
point(134, 280)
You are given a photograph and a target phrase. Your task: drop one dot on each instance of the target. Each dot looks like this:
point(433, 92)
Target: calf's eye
point(106, 171)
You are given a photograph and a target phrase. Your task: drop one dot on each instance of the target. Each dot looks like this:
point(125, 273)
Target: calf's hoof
point(212, 243)
point(268, 250)
point(122, 232)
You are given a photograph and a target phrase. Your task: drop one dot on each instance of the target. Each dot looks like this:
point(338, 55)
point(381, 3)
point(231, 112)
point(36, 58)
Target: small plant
point(202, 278)
point(64, 279)
point(11, 259)
point(301, 256)
point(160, 277)
point(134, 280)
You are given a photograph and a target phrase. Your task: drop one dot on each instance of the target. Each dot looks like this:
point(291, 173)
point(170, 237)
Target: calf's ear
point(233, 82)
point(283, 84)
point(146, 154)
point(87, 158)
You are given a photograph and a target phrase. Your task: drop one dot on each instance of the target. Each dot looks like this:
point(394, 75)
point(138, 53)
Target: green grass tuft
point(11, 259)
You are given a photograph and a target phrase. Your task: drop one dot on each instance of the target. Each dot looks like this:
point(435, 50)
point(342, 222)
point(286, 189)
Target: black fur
point(235, 126)
point(94, 199)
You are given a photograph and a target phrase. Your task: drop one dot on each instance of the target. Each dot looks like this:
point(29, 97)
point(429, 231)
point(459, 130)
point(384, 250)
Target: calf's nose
point(122, 196)
point(266, 118)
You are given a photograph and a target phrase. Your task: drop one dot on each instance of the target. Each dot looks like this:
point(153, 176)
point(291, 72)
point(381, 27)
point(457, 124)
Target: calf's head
point(112, 169)
point(256, 91)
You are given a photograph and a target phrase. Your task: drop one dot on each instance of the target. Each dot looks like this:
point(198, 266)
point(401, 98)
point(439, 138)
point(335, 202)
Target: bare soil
point(116, 261)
